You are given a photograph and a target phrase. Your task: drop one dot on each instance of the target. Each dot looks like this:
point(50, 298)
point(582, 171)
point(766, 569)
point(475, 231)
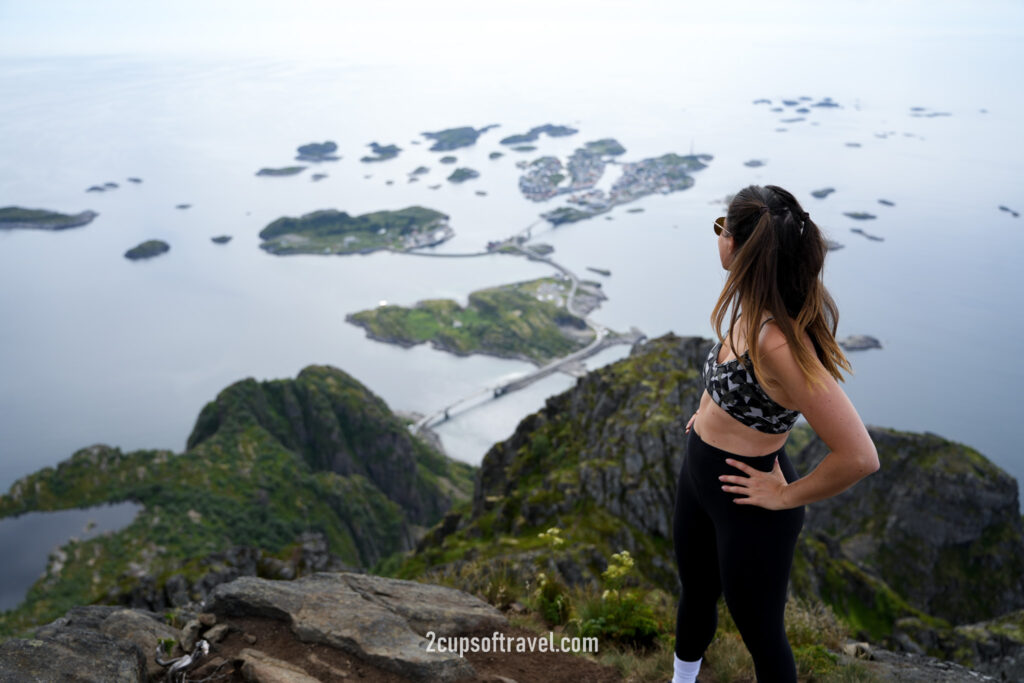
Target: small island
point(860, 215)
point(525, 148)
point(336, 232)
point(419, 170)
point(221, 239)
point(886, 202)
point(448, 159)
point(859, 342)
point(316, 177)
point(822, 193)
point(147, 249)
point(15, 218)
point(135, 180)
point(453, 138)
point(461, 175)
point(525, 320)
point(285, 171)
point(535, 132)
point(495, 155)
point(182, 206)
point(1008, 210)
point(381, 152)
point(317, 152)
point(753, 163)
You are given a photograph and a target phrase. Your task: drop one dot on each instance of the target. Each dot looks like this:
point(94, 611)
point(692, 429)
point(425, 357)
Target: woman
point(739, 503)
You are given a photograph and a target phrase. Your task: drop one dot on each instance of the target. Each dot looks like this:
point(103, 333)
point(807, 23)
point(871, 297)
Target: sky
point(459, 29)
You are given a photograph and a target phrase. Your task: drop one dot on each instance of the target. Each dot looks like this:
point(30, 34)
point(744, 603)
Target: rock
point(217, 633)
point(259, 667)
point(753, 163)
point(822, 193)
point(859, 342)
point(145, 631)
point(69, 655)
point(382, 621)
point(182, 206)
point(221, 239)
point(938, 523)
point(190, 635)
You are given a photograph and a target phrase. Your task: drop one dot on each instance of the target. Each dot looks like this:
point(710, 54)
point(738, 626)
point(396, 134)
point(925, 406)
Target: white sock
point(685, 672)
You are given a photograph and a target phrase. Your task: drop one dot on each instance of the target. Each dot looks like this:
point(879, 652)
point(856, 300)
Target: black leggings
point(742, 550)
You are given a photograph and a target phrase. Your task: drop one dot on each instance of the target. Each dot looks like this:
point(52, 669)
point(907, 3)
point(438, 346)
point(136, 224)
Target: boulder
point(382, 621)
point(72, 655)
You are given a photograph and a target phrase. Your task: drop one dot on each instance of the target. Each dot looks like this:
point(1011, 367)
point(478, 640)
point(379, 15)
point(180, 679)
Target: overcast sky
point(398, 30)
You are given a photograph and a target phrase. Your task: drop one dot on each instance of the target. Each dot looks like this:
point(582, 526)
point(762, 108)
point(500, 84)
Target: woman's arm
point(832, 417)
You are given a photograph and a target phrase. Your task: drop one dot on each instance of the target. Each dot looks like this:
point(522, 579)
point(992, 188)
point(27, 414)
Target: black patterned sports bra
point(733, 386)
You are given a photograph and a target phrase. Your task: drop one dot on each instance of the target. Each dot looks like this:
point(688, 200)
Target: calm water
point(97, 349)
point(37, 534)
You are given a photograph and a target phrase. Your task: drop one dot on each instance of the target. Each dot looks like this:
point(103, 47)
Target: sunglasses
point(720, 227)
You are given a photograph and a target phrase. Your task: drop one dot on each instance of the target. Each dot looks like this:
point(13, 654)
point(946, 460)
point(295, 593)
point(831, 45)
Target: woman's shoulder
point(773, 344)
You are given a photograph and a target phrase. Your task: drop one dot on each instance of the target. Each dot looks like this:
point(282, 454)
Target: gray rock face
point(72, 655)
point(632, 431)
point(259, 666)
point(382, 621)
point(938, 523)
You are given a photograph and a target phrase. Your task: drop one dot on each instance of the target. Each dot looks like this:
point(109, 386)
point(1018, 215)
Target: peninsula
point(15, 217)
point(335, 232)
point(453, 138)
point(524, 320)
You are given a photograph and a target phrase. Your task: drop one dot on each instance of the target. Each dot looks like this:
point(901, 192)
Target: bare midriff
point(719, 429)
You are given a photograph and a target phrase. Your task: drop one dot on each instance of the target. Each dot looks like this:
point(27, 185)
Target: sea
point(95, 348)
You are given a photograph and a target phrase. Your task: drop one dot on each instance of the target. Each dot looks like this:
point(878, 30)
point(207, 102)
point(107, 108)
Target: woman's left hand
point(763, 489)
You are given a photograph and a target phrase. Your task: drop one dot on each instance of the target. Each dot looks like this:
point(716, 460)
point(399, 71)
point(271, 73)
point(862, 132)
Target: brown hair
point(776, 269)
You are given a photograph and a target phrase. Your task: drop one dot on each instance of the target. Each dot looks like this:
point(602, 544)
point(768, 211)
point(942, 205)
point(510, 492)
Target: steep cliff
point(931, 541)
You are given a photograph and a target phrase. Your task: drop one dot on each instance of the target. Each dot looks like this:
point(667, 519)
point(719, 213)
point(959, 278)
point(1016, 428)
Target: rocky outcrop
point(382, 622)
point(311, 555)
point(77, 648)
point(938, 523)
point(336, 424)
